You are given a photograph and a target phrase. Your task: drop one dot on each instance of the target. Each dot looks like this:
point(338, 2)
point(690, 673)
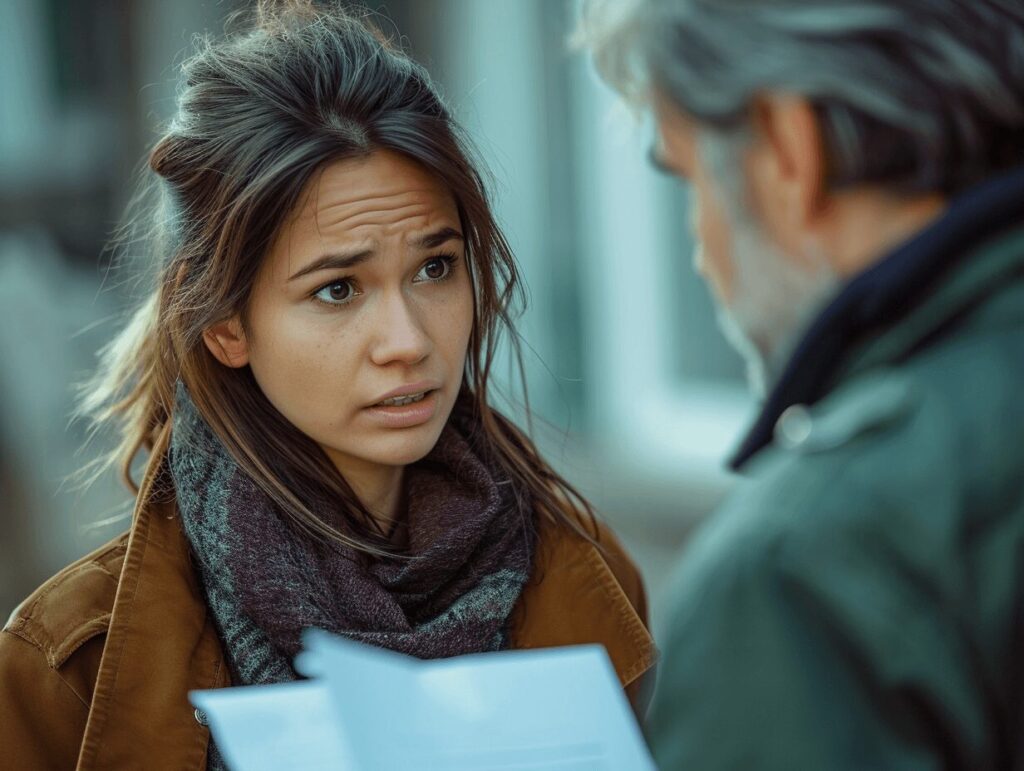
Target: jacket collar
point(574, 598)
point(161, 642)
point(894, 289)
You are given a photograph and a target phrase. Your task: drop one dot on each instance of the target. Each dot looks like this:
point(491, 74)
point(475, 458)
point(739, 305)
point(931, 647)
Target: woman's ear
point(227, 342)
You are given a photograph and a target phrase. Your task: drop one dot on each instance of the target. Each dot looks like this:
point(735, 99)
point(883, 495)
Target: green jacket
point(859, 602)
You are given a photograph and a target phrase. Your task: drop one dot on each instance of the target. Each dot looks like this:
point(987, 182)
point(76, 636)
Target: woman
point(309, 380)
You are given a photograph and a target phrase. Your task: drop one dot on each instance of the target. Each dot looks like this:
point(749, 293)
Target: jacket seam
point(68, 686)
point(27, 613)
point(87, 632)
point(103, 567)
point(17, 629)
point(27, 640)
point(53, 669)
point(25, 621)
point(54, 655)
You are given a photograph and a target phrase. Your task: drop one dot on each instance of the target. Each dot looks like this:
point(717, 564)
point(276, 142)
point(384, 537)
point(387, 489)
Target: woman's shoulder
point(601, 548)
point(50, 652)
point(587, 589)
point(72, 607)
point(623, 567)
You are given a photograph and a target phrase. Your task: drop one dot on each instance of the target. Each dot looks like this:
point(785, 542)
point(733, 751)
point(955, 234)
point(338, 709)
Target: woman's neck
point(379, 488)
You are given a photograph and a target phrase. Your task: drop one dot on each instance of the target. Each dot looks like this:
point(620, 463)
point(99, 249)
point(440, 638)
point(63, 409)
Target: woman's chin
point(394, 447)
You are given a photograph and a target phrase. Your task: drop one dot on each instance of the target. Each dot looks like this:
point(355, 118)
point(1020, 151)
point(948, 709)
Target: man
point(858, 170)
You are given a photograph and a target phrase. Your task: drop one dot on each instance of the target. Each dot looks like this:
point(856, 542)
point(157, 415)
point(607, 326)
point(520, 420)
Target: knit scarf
point(469, 555)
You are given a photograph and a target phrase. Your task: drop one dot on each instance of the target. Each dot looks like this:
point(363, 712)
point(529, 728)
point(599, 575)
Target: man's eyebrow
point(334, 262)
point(657, 160)
point(435, 239)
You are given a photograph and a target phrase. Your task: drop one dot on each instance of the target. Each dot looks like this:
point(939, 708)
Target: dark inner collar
point(884, 293)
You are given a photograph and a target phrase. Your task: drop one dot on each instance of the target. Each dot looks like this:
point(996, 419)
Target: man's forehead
point(667, 112)
point(675, 135)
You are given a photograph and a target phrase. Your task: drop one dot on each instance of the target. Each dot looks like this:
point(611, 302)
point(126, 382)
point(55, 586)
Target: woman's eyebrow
point(352, 259)
point(438, 237)
point(334, 262)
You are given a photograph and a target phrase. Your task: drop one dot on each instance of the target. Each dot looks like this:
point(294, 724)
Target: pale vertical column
point(26, 90)
point(491, 62)
point(622, 233)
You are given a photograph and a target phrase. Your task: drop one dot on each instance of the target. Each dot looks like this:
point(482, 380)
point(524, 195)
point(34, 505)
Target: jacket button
point(201, 717)
point(794, 427)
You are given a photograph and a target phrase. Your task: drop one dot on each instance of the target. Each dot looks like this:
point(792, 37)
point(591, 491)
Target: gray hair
point(918, 95)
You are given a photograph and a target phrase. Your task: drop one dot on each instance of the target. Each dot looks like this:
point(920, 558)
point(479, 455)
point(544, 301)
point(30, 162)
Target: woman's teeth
point(400, 401)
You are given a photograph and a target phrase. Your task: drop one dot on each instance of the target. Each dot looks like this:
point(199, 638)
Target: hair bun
point(159, 156)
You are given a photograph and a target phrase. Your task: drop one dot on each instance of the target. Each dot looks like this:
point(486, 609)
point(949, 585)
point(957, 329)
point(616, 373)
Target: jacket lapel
point(160, 644)
point(574, 598)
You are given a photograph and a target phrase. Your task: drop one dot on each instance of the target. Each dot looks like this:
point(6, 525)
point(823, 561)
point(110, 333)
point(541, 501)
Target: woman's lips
point(406, 415)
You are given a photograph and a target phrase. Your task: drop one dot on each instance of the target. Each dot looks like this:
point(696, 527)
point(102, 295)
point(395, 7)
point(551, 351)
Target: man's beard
point(774, 299)
point(773, 303)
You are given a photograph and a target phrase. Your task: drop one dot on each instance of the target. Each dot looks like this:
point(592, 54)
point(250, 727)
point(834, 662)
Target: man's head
point(817, 134)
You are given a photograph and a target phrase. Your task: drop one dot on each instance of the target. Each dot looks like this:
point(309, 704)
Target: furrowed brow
point(334, 262)
point(442, 236)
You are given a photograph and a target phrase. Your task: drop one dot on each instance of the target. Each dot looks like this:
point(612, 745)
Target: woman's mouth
point(405, 411)
point(401, 401)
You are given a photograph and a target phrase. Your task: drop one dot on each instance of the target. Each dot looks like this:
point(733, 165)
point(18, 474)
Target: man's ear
point(227, 342)
point(794, 152)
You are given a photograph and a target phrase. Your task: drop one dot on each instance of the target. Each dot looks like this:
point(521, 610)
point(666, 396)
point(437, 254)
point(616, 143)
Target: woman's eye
point(436, 269)
point(337, 293)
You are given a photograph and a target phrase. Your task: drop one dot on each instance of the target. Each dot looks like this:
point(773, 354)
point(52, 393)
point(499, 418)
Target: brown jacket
point(96, 665)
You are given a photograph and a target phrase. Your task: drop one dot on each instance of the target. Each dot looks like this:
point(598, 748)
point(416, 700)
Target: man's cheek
point(715, 264)
point(700, 261)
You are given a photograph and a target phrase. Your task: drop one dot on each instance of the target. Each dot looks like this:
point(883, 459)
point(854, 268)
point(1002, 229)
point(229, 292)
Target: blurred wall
point(84, 88)
point(638, 396)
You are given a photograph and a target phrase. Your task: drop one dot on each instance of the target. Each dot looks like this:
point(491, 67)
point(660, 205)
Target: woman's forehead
point(384, 182)
point(356, 203)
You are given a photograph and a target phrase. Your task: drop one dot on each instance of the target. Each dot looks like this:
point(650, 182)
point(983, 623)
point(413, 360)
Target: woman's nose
point(399, 335)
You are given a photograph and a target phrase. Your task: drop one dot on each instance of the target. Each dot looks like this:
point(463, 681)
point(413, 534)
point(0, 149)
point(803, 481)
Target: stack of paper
point(366, 709)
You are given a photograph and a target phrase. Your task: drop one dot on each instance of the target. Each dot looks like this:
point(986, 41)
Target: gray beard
point(774, 299)
point(774, 302)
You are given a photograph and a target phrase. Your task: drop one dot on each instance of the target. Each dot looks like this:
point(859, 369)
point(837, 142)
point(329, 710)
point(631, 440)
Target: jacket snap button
point(794, 427)
point(201, 717)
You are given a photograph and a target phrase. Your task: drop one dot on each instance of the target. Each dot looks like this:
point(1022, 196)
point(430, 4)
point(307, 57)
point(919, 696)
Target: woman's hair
point(260, 112)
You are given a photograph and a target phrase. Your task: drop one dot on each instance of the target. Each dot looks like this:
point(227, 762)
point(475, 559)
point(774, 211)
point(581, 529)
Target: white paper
point(367, 709)
point(287, 726)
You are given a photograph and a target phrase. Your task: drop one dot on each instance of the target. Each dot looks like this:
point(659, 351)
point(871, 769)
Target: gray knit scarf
point(470, 545)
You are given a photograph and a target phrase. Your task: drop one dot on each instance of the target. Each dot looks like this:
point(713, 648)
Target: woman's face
point(364, 296)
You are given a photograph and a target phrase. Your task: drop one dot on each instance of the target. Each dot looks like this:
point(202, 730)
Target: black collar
point(877, 298)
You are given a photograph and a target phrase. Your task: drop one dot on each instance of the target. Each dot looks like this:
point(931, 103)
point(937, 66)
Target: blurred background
point(638, 396)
